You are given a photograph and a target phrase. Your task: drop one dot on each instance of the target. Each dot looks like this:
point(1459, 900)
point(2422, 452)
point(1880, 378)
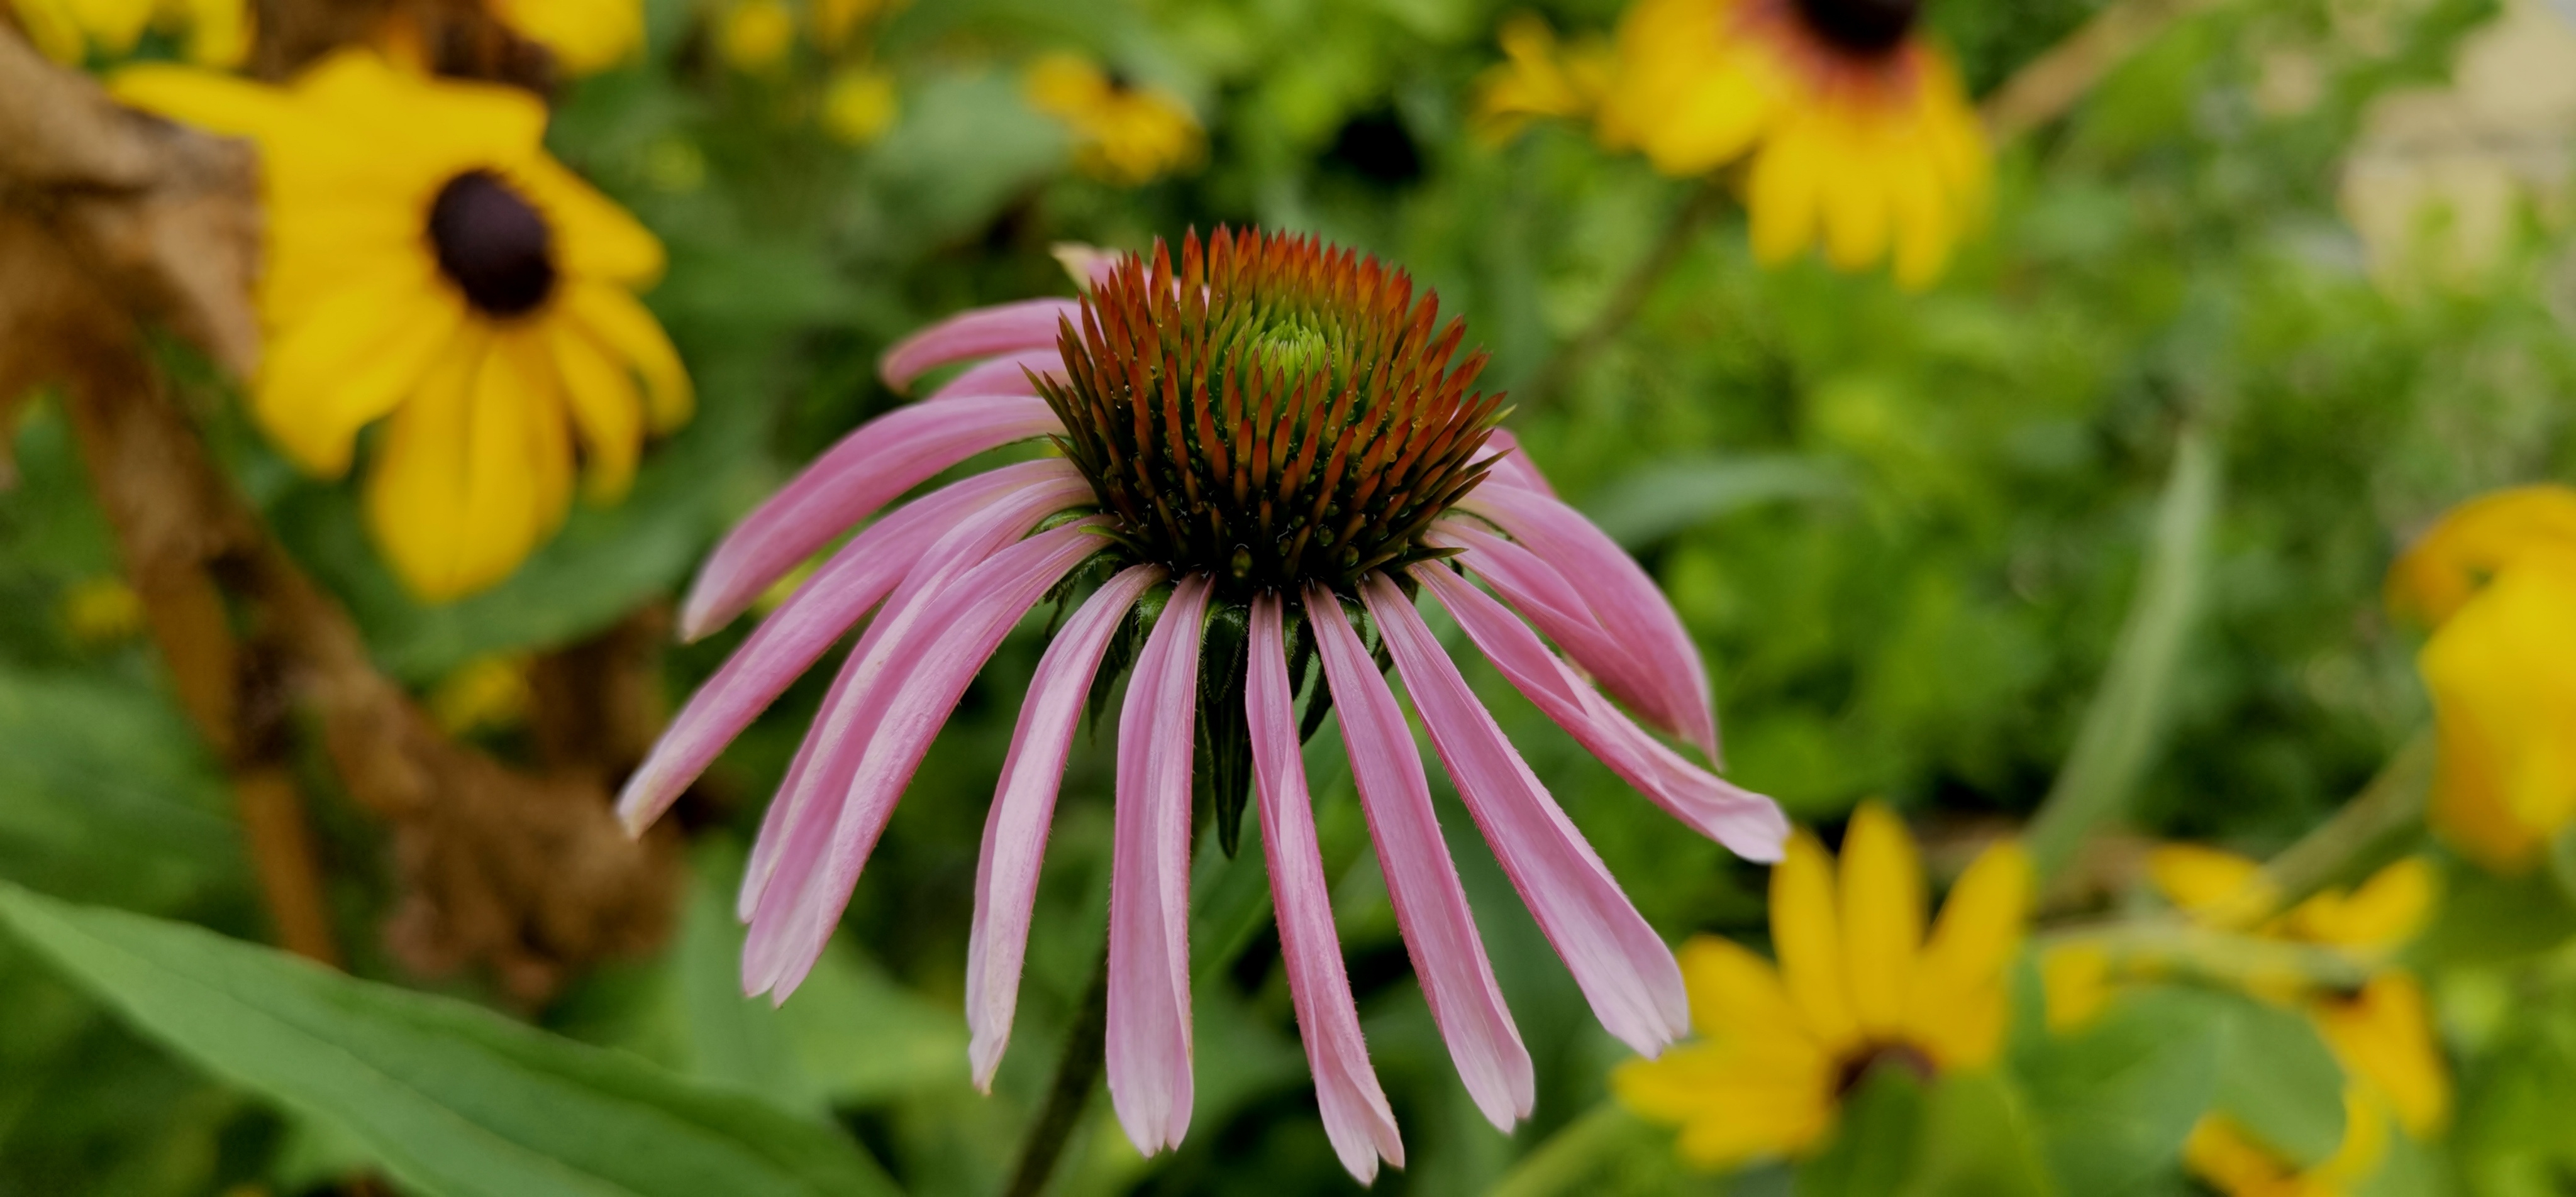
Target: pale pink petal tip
point(1015, 829)
point(980, 332)
point(1422, 884)
point(1622, 966)
point(1148, 1032)
point(1356, 1116)
point(870, 467)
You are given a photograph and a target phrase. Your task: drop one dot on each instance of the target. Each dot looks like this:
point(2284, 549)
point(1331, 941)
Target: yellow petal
point(1856, 208)
point(2076, 982)
point(2383, 913)
point(216, 103)
point(1734, 992)
point(594, 238)
point(112, 25)
point(2384, 1037)
point(2203, 880)
point(622, 324)
point(1959, 999)
point(2233, 1163)
point(2473, 543)
point(476, 472)
point(606, 409)
point(1882, 909)
point(1733, 1105)
point(52, 30)
point(1784, 200)
point(348, 364)
point(586, 36)
point(1806, 933)
point(2502, 672)
point(412, 486)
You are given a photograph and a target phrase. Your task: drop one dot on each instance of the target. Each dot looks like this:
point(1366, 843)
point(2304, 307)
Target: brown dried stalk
point(110, 220)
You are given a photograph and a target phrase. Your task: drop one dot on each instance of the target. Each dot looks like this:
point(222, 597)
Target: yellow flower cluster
point(1858, 986)
point(1855, 132)
point(1123, 133)
point(2496, 582)
point(859, 101)
point(585, 36)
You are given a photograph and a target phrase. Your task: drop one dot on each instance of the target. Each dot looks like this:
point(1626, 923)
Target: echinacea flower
point(1265, 447)
point(217, 33)
point(431, 266)
point(585, 36)
point(1123, 133)
point(1857, 129)
point(2496, 581)
point(1858, 987)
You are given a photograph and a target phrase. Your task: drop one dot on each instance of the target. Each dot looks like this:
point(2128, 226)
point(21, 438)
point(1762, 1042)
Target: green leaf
point(448, 1097)
point(2113, 1102)
point(106, 795)
point(2126, 719)
point(2277, 1079)
point(1978, 1142)
point(726, 1036)
point(1674, 495)
point(1877, 1139)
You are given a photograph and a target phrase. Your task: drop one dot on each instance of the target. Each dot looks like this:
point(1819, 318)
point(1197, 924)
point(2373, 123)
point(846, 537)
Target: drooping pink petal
point(1356, 1116)
point(1015, 830)
point(930, 671)
point(804, 627)
point(1622, 966)
point(981, 332)
point(1619, 593)
point(1512, 467)
point(801, 814)
point(1547, 599)
point(1430, 904)
point(882, 459)
point(1004, 375)
point(1149, 880)
point(1750, 825)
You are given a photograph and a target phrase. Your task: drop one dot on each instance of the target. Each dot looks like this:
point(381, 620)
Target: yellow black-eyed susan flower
point(1858, 986)
point(431, 267)
point(859, 104)
point(1856, 130)
point(214, 33)
point(2496, 581)
point(1123, 133)
point(756, 35)
point(585, 36)
point(2394, 1080)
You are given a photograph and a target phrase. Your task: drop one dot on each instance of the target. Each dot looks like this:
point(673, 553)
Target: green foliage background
point(1906, 531)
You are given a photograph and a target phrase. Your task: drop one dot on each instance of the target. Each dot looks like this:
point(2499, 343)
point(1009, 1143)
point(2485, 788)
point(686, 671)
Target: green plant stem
point(2169, 945)
point(1573, 1158)
point(2392, 803)
point(1075, 1072)
point(1696, 210)
point(2127, 716)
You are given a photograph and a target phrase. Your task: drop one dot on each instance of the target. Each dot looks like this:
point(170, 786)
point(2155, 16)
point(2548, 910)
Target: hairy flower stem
point(1076, 1071)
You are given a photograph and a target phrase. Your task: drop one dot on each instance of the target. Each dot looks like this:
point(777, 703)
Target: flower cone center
point(1860, 26)
point(1270, 411)
point(493, 244)
point(1857, 1067)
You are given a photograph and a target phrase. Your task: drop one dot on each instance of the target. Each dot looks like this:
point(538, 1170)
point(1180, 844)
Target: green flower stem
point(1573, 1159)
point(2172, 947)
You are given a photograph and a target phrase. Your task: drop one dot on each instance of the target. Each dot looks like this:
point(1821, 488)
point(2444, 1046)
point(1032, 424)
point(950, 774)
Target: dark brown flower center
point(1274, 411)
point(1861, 26)
point(1857, 1066)
point(492, 243)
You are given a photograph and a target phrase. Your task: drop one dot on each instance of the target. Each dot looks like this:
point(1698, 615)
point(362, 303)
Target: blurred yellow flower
point(858, 104)
point(1857, 987)
point(1537, 78)
point(2223, 888)
point(102, 611)
point(2382, 1036)
point(1122, 133)
point(756, 34)
point(217, 32)
point(486, 692)
point(1858, 132)
point(430, 265)
point(2496, 580)
point(586, 36)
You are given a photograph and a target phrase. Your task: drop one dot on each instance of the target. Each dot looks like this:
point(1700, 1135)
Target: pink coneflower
point(1265, 454)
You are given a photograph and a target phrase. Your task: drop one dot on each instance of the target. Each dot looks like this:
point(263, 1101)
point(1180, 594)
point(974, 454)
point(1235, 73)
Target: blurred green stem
point(2168, 946)
point(1696, 210)
point(2127, 717)
point(1573, 1159)
point(1075, 1071)
point(2392, 803)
